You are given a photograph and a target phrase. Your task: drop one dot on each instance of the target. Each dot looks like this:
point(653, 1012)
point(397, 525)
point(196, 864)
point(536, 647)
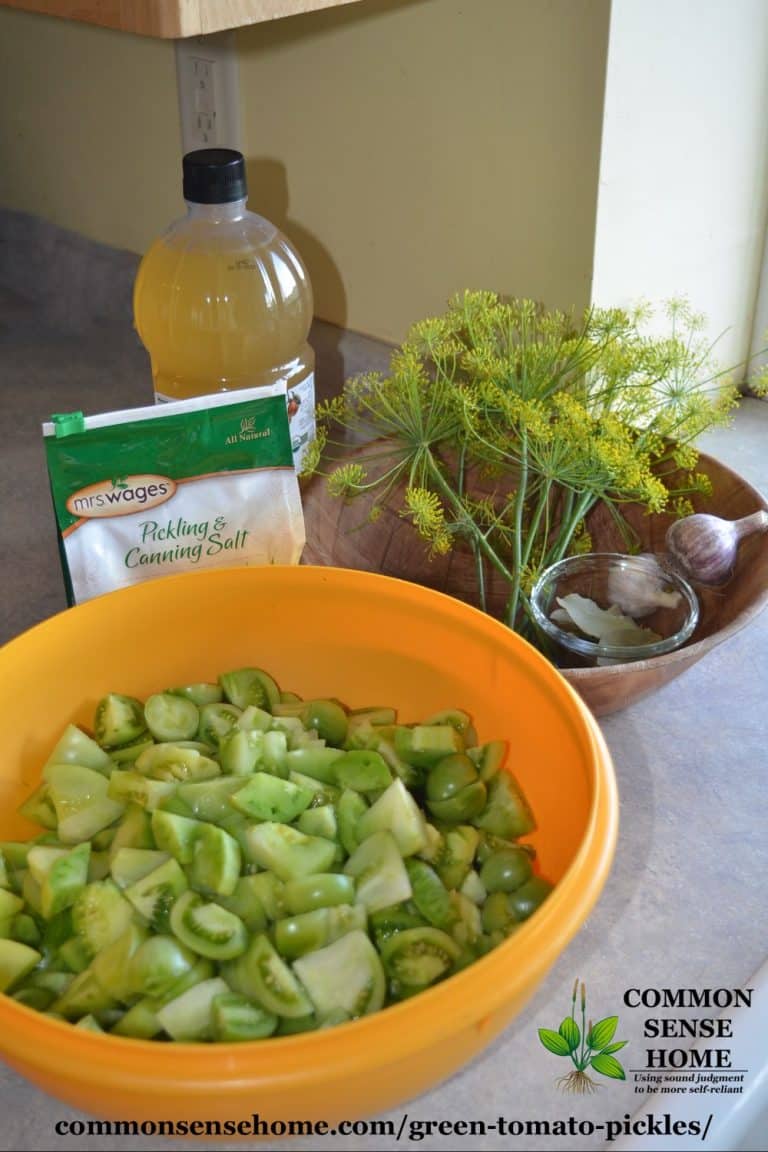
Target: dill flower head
point(551, 412)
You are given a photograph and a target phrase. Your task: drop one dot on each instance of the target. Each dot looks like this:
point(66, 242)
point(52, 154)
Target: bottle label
point(300, 399)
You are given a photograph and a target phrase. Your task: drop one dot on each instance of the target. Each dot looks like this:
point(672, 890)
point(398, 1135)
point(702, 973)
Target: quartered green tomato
point(327, 718)
point(506, 870)
point(455, 792)
point(418, 957)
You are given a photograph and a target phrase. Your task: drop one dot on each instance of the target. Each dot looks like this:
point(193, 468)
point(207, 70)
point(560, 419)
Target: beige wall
point(411, 148)
point(89, 129)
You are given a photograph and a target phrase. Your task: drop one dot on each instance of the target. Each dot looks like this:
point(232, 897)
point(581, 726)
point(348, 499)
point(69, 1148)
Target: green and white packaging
point(193, 484)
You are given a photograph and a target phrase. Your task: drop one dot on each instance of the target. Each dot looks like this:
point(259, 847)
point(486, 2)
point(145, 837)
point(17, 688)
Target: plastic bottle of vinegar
point(222, 299)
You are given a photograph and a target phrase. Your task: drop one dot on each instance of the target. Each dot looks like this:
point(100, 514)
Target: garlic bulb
point(705, 547)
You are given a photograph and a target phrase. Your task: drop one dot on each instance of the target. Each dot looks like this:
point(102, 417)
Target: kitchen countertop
point(685, 905)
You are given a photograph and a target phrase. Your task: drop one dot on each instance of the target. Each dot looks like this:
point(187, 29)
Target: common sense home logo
point(589, 1047)
point(120, 496)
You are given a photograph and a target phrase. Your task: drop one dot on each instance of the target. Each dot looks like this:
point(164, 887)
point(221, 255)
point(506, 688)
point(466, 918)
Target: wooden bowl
point(339, 534)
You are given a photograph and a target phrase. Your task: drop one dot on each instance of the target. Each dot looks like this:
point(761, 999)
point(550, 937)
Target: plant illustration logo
point(248, 424)
point(590, 1046)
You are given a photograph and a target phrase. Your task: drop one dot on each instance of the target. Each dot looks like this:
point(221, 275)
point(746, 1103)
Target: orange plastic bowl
point(366, 639)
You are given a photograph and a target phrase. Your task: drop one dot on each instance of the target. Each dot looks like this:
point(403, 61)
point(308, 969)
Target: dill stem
point(514, 598)
point(456, 505)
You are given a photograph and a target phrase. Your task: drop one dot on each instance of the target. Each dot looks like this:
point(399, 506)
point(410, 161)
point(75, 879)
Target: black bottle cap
point(214, 176)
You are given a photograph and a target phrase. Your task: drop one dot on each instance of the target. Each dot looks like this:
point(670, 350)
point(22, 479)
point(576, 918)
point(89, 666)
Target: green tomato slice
point(345, 977)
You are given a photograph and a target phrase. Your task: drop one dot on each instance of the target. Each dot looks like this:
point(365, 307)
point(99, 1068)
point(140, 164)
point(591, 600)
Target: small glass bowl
point(611, 578)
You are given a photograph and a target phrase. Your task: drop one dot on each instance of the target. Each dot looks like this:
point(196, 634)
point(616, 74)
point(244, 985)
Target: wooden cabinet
point(172, 19)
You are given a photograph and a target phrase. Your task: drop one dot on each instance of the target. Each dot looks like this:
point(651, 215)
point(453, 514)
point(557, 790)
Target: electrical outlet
point(207, 80)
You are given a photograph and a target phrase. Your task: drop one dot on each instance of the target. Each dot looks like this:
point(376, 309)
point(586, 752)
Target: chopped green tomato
point(316, 761)
point(208, 928)
point(189, 1017)
point(397, 812)
point(140, 1021)
point(100, 914)
point(24, 929)
point(409, 775)
point(131, 864)
point(111, 967)
point(176, 764)
point(319, 821)
point(74, 955)
point(199, 694)
point(363, 771)
point(216, 860)
point(36, 998)
point(288, 852)
point(379, 872)
point(275, 753)
point(430, 895)
point(228, 861)
point(255, 719)
point(62, 875)
point(38, 808)
point(153, 895)
point(119, 720)
point(89, 1023)
point(246, 903)
point(171, 717)
point(473, 888)
point(327, 718)
point(10, 906)
point(133, 788)
point(15, 853)
point(208, 800)
point(457, 719)
point(175, 835)
point(529, 896)
point(263, 976)
point(30, 893)
point(267, 797)
point(417, 957)
point(235, 1017)
point(16, 961)
point(250, 686)
point(157, 965)
point(297, 935)
point(346, 976)
point(323, 890)
point(506, 870)
point(376, 716)
point(75, 747)
point(350, 807)
point(85, 995)
point(468, 928)
point(322, 794)
point(455, 791)
point(456, 854)
point(241, 752)
point(395, 918)
point(497, 915)
point(216, 720)
point(79, 796)
point(490, 758)
point(424, 744)
point(129, 753)
point(507, 812)
point(269, 889)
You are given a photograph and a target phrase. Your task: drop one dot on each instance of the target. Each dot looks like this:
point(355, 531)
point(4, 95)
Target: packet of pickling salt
point(193, 484)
